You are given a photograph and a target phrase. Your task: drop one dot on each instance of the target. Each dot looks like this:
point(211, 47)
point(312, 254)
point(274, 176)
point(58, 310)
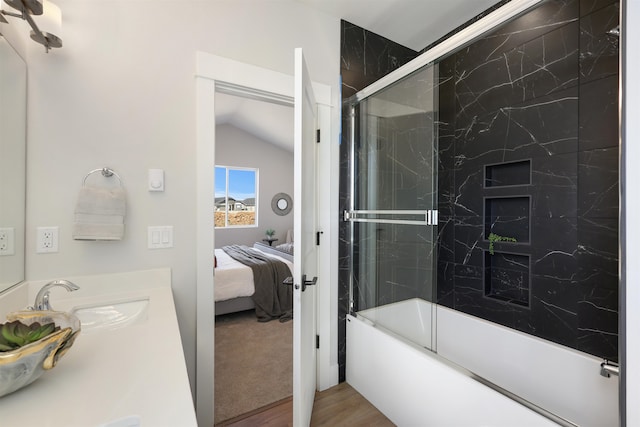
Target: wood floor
point(339, 406)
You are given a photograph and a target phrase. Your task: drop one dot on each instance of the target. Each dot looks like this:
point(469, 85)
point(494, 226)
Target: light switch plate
point(160, 237)
point(156, 180)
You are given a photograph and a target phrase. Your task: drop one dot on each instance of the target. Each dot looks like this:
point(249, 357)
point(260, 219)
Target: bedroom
point(254, 137)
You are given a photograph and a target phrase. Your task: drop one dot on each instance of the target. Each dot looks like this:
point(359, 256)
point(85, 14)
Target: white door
point(305, 258)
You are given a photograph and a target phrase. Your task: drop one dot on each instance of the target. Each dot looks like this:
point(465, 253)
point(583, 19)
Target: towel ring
point(106, 172)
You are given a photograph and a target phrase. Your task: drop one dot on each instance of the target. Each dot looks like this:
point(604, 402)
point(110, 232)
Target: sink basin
point(131, 421)
point(112, 315)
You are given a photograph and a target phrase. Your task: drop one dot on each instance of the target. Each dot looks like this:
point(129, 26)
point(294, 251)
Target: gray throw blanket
point(273, 300)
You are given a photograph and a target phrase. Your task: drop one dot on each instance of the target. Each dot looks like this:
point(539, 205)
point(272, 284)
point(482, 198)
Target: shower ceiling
point(412, 23)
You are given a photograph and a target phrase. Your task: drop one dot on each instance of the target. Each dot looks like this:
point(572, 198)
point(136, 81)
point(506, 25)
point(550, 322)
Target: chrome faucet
point(42, 299)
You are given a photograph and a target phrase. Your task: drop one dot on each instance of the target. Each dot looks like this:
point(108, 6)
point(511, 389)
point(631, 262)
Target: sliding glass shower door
point(393, 214)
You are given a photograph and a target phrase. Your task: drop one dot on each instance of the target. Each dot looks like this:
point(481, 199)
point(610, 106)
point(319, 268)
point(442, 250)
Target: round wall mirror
point(281, 204)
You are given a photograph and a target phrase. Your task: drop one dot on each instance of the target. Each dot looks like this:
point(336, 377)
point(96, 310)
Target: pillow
point(286, 247)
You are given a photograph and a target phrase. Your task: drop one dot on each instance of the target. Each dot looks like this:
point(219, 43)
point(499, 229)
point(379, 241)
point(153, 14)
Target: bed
point(235, 289)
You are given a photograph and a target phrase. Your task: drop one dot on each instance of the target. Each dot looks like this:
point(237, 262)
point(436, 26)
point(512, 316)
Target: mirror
point(281, 204)
point(13, 115)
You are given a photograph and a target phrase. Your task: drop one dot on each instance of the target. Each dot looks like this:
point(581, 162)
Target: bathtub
point(390, 364)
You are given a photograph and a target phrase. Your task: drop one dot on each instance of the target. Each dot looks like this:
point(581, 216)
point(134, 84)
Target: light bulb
point(50, 26)
point(51, 20)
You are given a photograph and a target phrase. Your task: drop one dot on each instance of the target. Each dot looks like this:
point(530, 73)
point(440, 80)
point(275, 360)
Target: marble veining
point(365, 57)
point(541, 90)
point(546, 94)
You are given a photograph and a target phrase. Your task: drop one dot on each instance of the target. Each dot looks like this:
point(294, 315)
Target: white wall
point(121, 93)
point(235, 147)
point(15, 32)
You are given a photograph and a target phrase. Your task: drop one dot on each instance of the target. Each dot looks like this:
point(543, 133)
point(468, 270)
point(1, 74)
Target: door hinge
point(318, 233)
point(318, 135)
point(317, 341)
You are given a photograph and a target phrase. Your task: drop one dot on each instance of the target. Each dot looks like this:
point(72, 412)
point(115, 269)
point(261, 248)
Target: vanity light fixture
point(51, 20)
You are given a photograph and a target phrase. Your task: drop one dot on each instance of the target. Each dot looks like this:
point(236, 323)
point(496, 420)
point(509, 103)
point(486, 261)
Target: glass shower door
point(393, 214)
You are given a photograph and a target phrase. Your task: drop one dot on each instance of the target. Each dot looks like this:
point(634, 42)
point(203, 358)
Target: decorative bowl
point(22, 366)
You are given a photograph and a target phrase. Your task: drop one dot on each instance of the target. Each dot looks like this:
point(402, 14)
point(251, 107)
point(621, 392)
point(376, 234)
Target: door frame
point(210, 71)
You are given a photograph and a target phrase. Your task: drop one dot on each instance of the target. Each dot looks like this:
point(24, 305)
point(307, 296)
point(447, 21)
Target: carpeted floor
point(253, 363)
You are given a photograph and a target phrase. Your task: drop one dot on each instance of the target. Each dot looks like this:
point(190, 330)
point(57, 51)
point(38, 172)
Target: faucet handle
point(42, 299)
point(68, 285)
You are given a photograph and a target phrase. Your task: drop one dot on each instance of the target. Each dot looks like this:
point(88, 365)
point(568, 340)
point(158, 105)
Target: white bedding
point(233, 279)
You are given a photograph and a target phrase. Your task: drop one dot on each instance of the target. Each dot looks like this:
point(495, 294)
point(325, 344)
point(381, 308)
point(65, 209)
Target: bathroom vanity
point(126, 368)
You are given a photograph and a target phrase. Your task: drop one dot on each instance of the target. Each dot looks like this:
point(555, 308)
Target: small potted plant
point(498, 238)
point(270, 233)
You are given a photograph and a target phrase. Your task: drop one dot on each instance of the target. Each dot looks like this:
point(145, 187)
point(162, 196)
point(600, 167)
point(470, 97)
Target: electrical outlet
point(7, 241)
point(47, 240)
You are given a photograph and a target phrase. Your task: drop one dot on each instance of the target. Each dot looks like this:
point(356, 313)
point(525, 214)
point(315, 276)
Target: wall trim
point(210, 70)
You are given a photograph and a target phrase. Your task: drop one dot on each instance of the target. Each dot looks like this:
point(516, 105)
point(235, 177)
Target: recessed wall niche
point(508, 217)
point(508, 174)
point(507, 277)
point(506, 274)
point(507, 221)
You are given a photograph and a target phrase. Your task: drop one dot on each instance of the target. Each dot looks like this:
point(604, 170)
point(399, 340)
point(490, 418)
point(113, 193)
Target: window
point(236, 197)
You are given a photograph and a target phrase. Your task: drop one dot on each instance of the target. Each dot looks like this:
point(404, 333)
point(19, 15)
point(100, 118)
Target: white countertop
point(137, 370)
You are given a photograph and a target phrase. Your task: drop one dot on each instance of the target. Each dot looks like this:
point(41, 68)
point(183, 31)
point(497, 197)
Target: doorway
point(212, 72)
point(253, 360)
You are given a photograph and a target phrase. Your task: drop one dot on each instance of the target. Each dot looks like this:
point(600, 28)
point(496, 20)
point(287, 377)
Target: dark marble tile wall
point(598, 190)
point(364, 57)
point(393, 257)
point(540, 91)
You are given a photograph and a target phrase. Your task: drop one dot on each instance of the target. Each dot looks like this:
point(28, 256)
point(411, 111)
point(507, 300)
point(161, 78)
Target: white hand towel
point(99, 214)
